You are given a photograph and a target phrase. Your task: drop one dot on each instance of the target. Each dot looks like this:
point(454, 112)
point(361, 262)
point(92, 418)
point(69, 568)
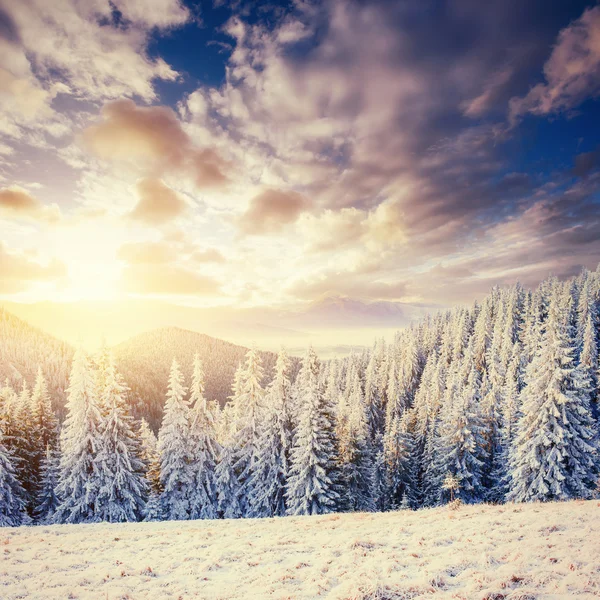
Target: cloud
point(98, 53)
point(146, 253)
point(18, 203)
point(157, 204)
point(271, 210)
point(572, 72)
point(18, 271)
point(153, 138)
point(380, 227)
point(167, 280)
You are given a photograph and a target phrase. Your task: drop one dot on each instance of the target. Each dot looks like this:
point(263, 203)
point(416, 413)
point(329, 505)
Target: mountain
point(24, 348)
point(145, 360)
point(331, 320)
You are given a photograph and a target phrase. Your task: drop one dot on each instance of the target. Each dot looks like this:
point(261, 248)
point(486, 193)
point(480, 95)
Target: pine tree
point(150, 457)
point(173, 444)
point(80, 442)
point(555, 453)
point(269, 478)
point(310, 488)
point(44, 430)
point(47, 500)
point(399, 448)
point(461, 442)
point(355, 453)
point(122, 487)
point(228, 486)
point(589, 364)
point(204, 450)
point(246, 436)
point(508, 425)
point(12, 503)
point(25, 452)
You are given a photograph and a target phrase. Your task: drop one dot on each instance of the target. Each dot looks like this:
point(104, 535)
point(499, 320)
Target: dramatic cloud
point(370, 149)
point(272, 210)
point(153, 138)
point(157, 204)
point(87, 43)
point(572, 72)
point(17, 202)
point(18, 271)
point(167, 280)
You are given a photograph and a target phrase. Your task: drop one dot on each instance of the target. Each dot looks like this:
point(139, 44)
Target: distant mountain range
point(144, 361)
point(332, 320)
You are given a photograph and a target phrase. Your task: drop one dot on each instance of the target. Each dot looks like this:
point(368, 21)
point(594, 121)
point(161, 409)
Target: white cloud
point(572, 72)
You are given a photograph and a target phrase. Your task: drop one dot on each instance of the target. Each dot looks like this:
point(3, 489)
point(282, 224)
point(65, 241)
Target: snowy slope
point(529, 551)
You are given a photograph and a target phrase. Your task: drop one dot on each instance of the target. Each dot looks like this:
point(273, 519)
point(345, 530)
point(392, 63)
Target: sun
point(89, 252)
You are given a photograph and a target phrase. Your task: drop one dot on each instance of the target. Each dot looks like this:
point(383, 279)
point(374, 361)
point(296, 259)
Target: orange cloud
point(272, 210)
point(153, 138)
point(157, 203)
point(17, 202)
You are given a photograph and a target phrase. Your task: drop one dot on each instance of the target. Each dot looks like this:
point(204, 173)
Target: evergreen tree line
point(496, 402)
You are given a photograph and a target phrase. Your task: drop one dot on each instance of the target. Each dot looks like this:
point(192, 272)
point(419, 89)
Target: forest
point(497, 402)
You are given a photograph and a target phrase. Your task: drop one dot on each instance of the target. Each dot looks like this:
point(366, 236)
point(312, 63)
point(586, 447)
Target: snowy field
point(475, 552)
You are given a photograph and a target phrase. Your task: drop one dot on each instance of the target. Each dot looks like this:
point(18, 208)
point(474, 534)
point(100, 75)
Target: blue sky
point(253, 155)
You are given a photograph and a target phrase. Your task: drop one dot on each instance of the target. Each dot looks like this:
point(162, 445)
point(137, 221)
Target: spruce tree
point(47, 500)
point(173, 444)
point(228, 487)
point(12, 495)
point(310, 489)
point(356, 453)
point(78, 485)
point(204, 449)
point(246, 436)
point(269, 478)
point(122, 487)
point(555, 453)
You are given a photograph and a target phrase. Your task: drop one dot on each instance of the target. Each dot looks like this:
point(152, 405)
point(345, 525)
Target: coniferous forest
point(493, 403)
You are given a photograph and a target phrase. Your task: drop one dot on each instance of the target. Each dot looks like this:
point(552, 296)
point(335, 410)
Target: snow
point(526, 551)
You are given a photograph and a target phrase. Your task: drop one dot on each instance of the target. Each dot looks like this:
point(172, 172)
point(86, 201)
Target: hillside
point(530, 551)
point(23, 348)
point(145, 359)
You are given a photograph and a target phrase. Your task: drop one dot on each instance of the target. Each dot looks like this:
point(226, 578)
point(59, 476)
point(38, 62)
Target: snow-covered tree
point(269, 477)
point(150, 456)
point(310, 488)
point(122, 486)
point(12, 504)
point(555, 453)
point(79, 480)
point(204, 449)
point(247, 431)
point(47, 500)
point(356, 452)
point(228, 487)
point(173, 444)
point(461, 442)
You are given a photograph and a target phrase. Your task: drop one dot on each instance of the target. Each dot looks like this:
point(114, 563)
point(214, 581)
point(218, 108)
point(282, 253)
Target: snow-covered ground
point(528, 551)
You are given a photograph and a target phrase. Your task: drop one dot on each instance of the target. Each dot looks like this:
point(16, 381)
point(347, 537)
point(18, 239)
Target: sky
point(261, 159)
